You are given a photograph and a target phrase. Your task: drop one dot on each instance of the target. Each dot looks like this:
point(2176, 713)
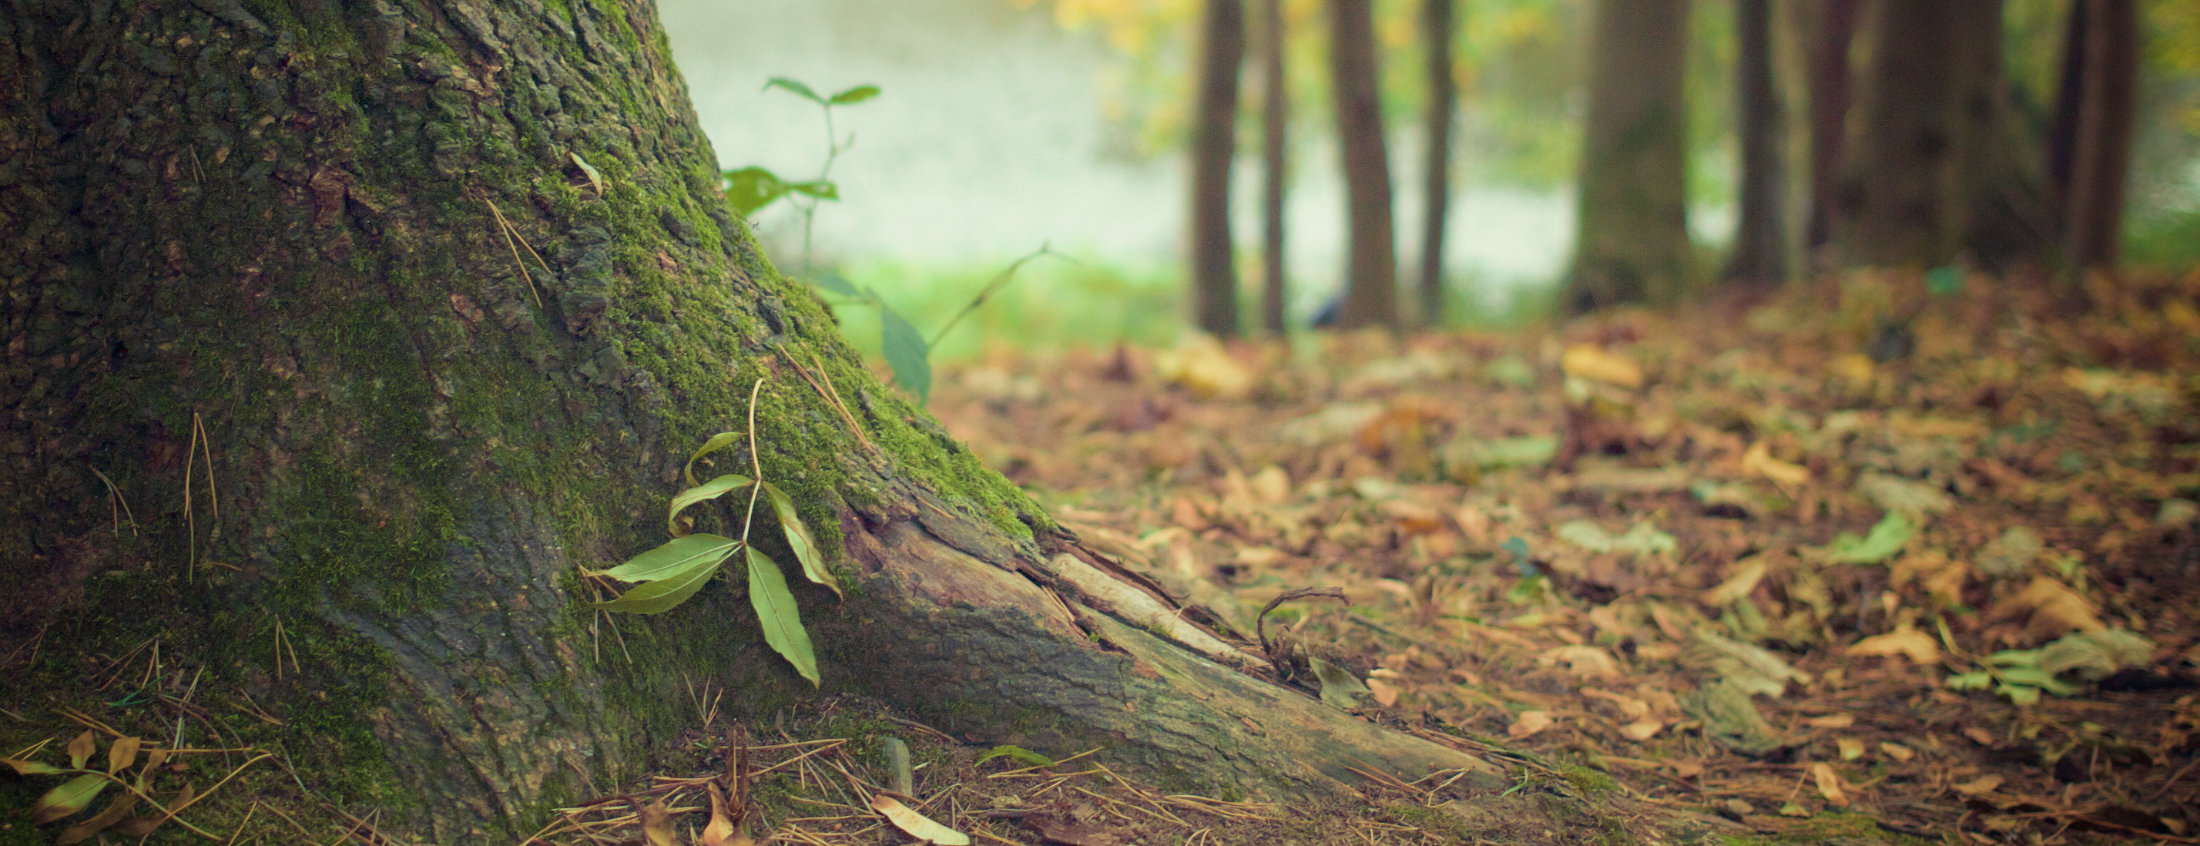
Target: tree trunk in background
point(2101, 156)
point(1214, 145)
point(256, 256)
point(1631, 242)
point(1436, 23)
point(1760, 239)
point(2062, 125)
point(2005, 213)
point(1899, 200)
point(1274, 119)
point(1371, 273)
point(1829, 113)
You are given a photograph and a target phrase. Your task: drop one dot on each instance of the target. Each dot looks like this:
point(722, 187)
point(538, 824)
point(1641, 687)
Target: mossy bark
point(255, 278)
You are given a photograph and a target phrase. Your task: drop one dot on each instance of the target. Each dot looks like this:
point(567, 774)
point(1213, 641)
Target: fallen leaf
point(1593, 363)
point(1829, 784)
point(1897, 751)
point(1386, 694)
point(1758, 460)
point(2046, 609)
point(915, 824)
point(1979, 786)
point(1744, 581)
point(1831, 721)
point(1582, 660)
point(1917, 646)
point(1202, 366)
point(1529, 723)
point(1851, 748)
point(1642, 729)
point(657, 824)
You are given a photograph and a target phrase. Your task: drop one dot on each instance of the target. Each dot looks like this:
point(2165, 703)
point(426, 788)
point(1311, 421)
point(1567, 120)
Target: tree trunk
point(1274, 119)
point(1214, 146)
point(1829, 113)
point(2062, 125)
point(256, 288)
point(1760, 240)
point(1932, 172)
point(2101, 156)
point(1443, 95)
point(1371, 273)
point(1631, 241)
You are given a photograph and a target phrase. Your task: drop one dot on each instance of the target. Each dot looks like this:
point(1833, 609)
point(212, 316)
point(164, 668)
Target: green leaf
point(800, 540)
point(836, 283)
point(823, 189)
point(710, 490)
point(595, 180)
point(775, 610)
point(674, 558)
point(752, 188)
point(717, 442)
point(1970, 681)
point(855, 95)
point(72, 796)
point(906, 353)
point(1015, 753)
point(2020, 694)
point(28, 767)
point(1945, 280)
point(665, 594)
point(794, 86)
point(1887, 538)
point(1339, 687)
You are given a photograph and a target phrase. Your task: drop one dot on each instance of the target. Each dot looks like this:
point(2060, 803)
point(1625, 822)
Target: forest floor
point(1915, 550)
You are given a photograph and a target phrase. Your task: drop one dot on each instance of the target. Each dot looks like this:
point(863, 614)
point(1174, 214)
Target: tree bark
point(2101, 155)
point(1760, 240)
point(1214, 147)
point(1829, 112)
point(1631, 238)
point(258, 289)
point(1436, 24)
point(1371, 273)
point(1933, 172)
point(1274, 121)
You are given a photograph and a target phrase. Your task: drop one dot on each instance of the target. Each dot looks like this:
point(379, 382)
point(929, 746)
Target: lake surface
point(990, 139)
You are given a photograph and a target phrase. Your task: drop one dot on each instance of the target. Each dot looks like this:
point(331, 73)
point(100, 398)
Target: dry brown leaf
point(2047, 609)
point(915, 824)
point(1529, 723)
point(1582, 660)
point(1758, 460)
point(81, 748)
point(1202, 366)
point(1917, 646)
point(1831, 721)
point(1738, 586)
point(657, 824)
point(121, 755)
point(1593, 363)
point(1851, 748)
point(1979, 786)
point(1642, 729)
point(1897, 751)
point(1386, 694)
point(721, 831)
point(1829, 784)
point(1272, 486)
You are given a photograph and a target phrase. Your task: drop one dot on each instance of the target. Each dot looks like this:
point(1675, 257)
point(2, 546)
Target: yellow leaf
point(657, 824)
point(121, 755)
point(1758, 460)
point(721, 831)
point(1829, 784)
point(1909, 643)
point(1980, 786)
point(1203, 367)
point(80, 750)
point(1851, 748)
point(1853, 369)
point(915, 824)
point(1529, 723)
point(1593, 363)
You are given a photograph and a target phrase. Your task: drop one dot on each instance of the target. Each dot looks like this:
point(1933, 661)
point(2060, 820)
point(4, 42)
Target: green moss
point(1591, 782)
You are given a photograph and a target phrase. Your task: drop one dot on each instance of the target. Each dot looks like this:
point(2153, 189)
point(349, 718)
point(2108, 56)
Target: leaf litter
point(1722, 553)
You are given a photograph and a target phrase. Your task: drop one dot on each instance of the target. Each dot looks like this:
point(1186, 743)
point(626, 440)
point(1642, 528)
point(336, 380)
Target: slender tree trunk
point(1274, 119)
point(1631, 243)
point(1371, 280)
point(1436, 24)
point(257, 287)
point(1760, 241)
point(2062, 126)
point(1214, 146)
point(1829, 112)
point(2102, 155)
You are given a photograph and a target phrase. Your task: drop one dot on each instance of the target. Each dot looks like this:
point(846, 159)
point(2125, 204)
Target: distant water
point(990, 139)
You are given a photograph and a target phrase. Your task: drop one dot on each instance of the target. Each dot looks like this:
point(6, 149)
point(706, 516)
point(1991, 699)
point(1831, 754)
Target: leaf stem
point(755, 462)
